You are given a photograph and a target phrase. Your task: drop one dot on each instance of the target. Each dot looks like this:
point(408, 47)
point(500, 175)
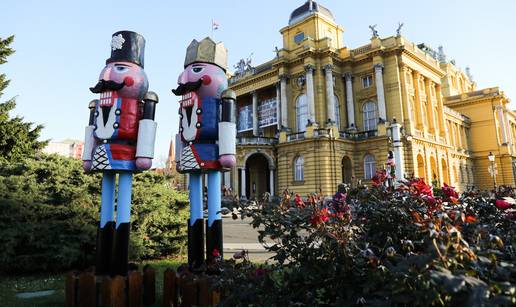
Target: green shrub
point(49, 211)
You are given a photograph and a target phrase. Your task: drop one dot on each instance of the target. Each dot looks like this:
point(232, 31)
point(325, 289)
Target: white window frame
point(370, 115)
point(367, 81)
point(369, 166)
point(299, 168)
point(301, 112)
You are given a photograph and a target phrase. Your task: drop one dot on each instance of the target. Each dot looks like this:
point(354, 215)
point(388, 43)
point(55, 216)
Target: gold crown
point(207, 51)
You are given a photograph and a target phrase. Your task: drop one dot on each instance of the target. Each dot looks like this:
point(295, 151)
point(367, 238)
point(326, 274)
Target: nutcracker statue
point(119, 141)
point(206, 139)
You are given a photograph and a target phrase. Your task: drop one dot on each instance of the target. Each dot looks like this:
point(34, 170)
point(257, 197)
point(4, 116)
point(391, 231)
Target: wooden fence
point(134, 290)
point(183, 290)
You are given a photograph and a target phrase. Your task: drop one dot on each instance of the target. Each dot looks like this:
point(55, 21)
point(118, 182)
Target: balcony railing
point(322, 132)
point(360, 135)
point(296, 136)
point(256, 141)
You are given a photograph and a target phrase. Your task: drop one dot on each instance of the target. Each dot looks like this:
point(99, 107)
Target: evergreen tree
point(18, 138)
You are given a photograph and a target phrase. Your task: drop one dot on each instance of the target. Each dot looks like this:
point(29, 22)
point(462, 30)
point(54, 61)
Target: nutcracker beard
point(106, 85)
point(184, 88)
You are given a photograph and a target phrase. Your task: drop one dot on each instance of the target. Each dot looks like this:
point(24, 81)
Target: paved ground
point(239, 235)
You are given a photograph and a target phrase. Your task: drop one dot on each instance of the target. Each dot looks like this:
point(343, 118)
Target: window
point(369, 166)
point(337, 111)
point(267, 115)
point(299, 37)
point(370, 117)
point(367, 81)
point(245, 118)
point(299, 169)
point(301, 113)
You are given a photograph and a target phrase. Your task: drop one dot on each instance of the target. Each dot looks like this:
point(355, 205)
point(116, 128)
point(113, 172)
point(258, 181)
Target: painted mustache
point(108, 85)
point(184, 88)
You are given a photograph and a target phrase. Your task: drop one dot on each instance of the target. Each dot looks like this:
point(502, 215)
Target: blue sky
point(61, 46)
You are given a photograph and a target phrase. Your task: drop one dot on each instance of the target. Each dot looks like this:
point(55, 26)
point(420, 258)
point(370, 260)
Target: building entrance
point(347, 170)
point(257, 182)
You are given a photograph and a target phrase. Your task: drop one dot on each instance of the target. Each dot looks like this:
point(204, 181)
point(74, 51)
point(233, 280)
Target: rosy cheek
point(206, 80)
point(128, 81)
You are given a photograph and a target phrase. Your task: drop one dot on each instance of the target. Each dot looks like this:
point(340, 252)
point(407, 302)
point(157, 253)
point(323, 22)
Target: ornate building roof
point(308, 9)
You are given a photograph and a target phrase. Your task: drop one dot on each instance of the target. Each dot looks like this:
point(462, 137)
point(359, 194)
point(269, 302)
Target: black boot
point(196, 246)
point(121, 250)
point(104, 248)
point(214, 246)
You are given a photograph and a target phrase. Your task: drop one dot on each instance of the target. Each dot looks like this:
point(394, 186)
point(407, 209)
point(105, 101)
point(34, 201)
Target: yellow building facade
point(321, 113)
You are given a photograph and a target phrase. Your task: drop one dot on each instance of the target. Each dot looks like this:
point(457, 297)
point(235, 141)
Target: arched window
point(337, 111)
point(369, 166)
point(301, 113)
point(370, 117)
point(299, 168)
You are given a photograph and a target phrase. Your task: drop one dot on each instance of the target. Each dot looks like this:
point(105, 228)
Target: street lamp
point(492, 168)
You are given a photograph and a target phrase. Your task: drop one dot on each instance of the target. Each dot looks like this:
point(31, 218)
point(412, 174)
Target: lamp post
point(492, 168)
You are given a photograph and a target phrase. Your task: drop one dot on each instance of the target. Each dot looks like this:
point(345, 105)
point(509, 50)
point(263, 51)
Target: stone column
point(429, 107)
point(378, 70)
point(398, 150)
point(271, 181)
point(459, 136)
point(411, 118)
point(278, 105)
point(438, 94)
point(255, 113)
point(310, 95)
point(227, 179)
point(242, 183)
point(284, 101)
point(348, 77)
point(501, 120)
point(419, 104)
point(330, 94)
point(509, 132)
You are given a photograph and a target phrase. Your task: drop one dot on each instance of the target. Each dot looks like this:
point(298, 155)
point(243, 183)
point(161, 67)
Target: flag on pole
point(214, 25)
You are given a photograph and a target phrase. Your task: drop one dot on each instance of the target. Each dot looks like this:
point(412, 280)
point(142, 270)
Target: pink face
point(133, 76)
point(214, 80)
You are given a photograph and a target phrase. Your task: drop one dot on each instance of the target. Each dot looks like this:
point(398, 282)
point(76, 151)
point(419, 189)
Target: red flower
point(450, 192)
point(215, 253)
point(502, 204)
point(419, 188)
point(431, 200)
point(319, 217)
point(470, 219)
point(379, 177)
point(299, 201)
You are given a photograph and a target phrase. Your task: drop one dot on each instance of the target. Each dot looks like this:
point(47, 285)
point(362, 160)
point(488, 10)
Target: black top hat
point(127, 46)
